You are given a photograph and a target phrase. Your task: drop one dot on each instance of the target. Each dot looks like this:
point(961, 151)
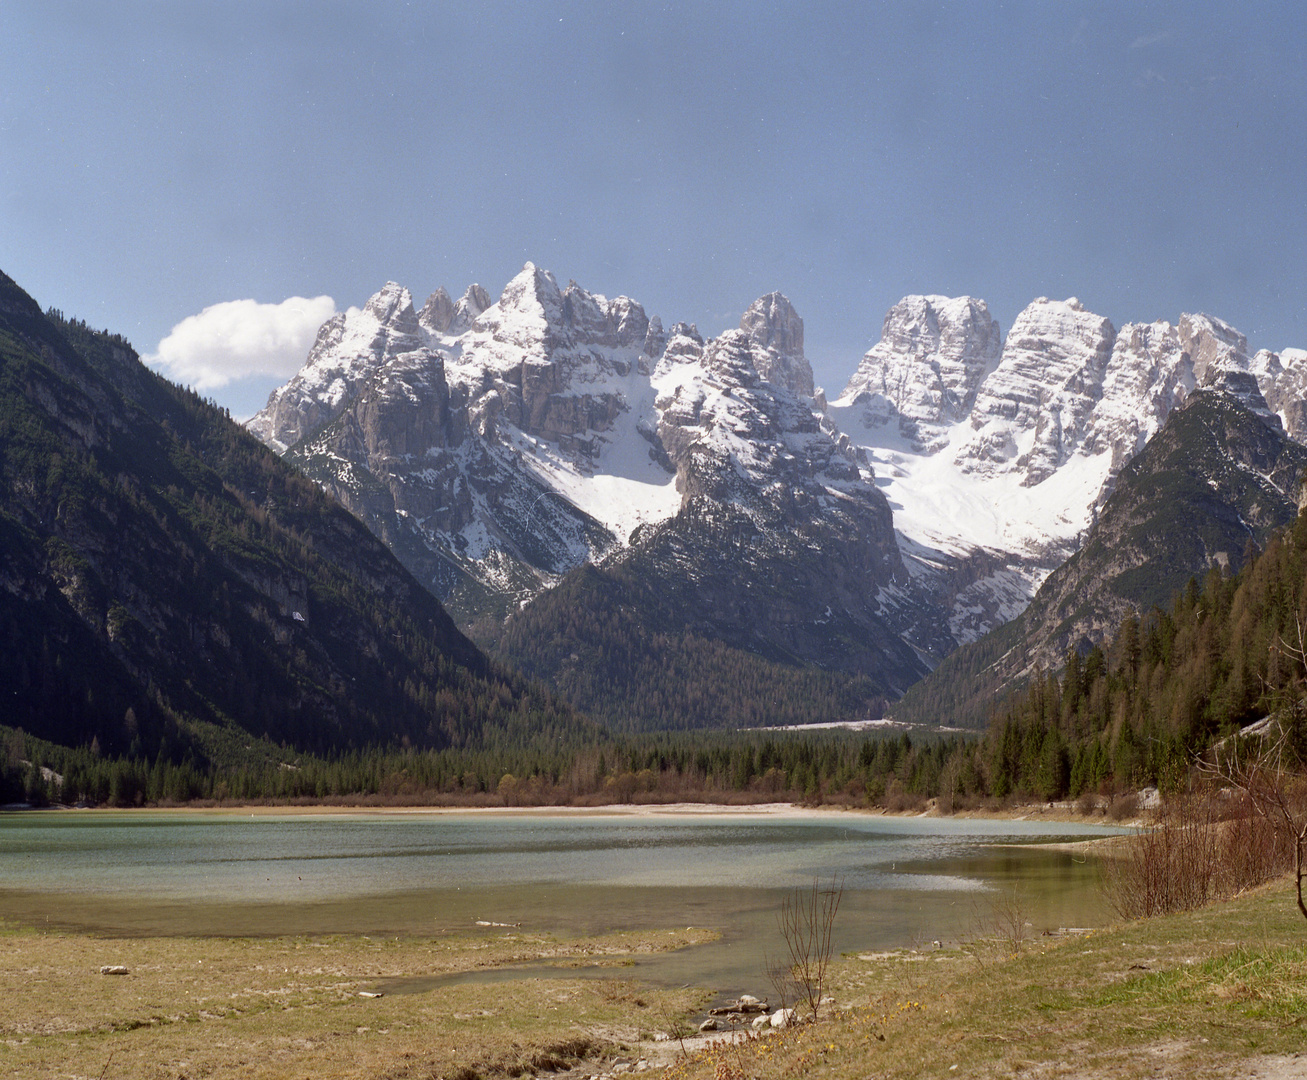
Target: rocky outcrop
point(773, 325)
point(1148, 375)
point(923, 374)
point(1033, 410)
point(549, 360)
point(441, 317)
point(1219, 354)
point(1282, 378)
point(437, 313)
point(350, 346)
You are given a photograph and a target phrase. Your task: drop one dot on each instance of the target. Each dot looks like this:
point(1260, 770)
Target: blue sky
point(158, 159)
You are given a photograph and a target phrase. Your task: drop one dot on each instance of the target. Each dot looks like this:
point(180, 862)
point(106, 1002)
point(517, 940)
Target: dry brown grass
point(1219, 992)
point(1216, 992)
point(282, 1007)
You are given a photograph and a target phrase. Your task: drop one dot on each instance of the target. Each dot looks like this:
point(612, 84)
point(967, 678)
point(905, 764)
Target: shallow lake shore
point(1213, 993)
point(1019, 812)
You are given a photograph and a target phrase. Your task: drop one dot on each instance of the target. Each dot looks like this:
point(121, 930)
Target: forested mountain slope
point(168, 586)
point(1216, 657)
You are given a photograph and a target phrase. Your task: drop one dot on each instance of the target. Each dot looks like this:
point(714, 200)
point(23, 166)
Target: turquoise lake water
point(906, 880)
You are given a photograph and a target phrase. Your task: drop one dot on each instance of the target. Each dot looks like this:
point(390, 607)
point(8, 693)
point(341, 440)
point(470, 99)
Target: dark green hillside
point(1219, 656)
point(165, 579)
point(1208, 489)
point(616, 645)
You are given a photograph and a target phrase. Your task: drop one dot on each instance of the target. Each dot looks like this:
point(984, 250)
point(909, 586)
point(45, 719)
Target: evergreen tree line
point(1227, 652)
point(747, 766)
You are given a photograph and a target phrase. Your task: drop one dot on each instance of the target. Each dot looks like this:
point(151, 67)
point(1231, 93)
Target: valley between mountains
point(673, 531)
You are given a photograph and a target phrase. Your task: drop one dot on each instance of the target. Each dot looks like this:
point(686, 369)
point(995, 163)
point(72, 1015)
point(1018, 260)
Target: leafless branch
point(806, 919)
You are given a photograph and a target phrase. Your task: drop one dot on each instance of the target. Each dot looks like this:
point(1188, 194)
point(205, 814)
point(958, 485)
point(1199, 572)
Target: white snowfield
point(983, 445)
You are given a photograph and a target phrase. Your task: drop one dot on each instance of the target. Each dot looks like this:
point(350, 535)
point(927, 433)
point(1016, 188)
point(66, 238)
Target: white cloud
point(241, 338)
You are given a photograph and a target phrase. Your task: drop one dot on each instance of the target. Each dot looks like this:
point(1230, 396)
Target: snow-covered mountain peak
point(442, 318)
point(740, 438)
point(590, 320)
point(392, 306)
point(1282, 377)
point(469, 308)
point(1219, 354)
point(923, 374)
point(1067, 327)
point(349, 347)
point(1032, 410)
point(529, 305)
point(1212, 342)
point(1147, 376)
point(731, 359)
point(772, 324)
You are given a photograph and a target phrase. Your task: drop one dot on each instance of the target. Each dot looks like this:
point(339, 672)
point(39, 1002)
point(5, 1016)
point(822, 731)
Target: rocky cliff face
point(1149, 374)
point(349, 346)
point(773, 325)
point(922, 376)
point(550, 362)
point(1032, 411)
point(1282, 377)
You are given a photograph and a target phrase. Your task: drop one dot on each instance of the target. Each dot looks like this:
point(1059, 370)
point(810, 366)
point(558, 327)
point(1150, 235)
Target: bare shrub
point(806, 919)
point(1124, 808)
point(1009, 918)
point(897, 800)
point(1267, 764)
point(781, 977)
point(1000, 926)
point(1202, 848)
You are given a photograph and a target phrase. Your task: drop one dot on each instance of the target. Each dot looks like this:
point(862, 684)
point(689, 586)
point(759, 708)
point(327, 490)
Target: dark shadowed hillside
point(167, 584)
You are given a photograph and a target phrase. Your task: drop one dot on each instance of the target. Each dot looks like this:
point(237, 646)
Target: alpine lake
point(907, 881)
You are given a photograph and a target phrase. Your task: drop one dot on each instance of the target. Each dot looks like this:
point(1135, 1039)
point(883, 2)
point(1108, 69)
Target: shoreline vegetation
point(836, 769)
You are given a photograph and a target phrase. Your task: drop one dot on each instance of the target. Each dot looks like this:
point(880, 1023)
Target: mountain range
point(629, 512)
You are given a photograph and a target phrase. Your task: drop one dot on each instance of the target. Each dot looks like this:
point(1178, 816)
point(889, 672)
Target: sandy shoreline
point(1033, 812)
